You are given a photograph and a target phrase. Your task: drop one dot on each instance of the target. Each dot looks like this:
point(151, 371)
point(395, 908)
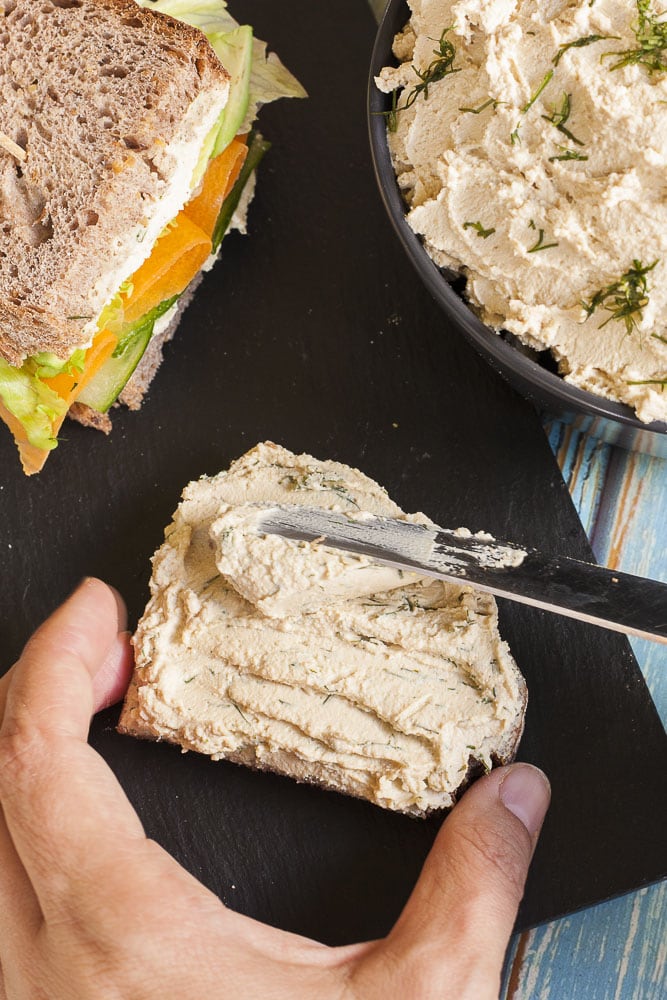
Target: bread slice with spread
point(396, 689)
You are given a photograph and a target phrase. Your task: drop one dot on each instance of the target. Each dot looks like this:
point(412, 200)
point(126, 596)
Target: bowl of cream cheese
point(521, 154)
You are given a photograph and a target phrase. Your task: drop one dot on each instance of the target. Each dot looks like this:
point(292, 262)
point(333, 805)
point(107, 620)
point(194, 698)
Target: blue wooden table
point(617, 950)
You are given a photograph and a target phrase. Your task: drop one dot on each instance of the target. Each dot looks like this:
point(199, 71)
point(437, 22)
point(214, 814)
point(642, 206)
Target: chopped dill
point(539, 243)
point(545, 81)
point(437, 69)
point(559, 116)
point(623, 299)
point(577, 44)
point(479, 229)
point(568, 154)
point(238, 710)
point(650, 381)
point(482, 107)
point(651, 35)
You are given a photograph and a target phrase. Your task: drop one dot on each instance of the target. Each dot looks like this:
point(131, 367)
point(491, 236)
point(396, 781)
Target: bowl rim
point(502, 355)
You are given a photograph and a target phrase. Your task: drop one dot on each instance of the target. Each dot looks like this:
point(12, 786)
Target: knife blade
point(619, 601)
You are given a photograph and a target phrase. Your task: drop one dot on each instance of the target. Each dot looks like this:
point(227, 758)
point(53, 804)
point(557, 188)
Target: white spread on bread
point(536, 167)
point(366, 680)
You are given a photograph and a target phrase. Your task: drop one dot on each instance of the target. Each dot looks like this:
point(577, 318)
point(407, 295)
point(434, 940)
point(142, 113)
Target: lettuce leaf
point(32, 402)
point(269, 79)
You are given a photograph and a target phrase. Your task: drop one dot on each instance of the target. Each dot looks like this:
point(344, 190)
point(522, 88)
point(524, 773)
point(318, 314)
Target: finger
point(59, 798)
point(466, 899)
point(111, 680)
point(20, 913)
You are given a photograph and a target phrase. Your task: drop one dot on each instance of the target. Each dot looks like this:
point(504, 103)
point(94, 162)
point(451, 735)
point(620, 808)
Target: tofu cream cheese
point(530, 143)
point(292, 657)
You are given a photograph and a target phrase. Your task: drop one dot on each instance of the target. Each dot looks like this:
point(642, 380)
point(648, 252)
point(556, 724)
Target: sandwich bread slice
point(126, 154)
point(291, 657)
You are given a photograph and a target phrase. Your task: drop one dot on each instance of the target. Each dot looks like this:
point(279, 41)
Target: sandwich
point(322, 666)
point(127, 152)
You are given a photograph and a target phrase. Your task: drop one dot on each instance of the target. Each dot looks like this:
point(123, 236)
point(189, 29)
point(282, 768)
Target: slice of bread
point(397, 696)
point(111, 104)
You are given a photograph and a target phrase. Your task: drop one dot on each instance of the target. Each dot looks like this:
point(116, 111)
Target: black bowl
point(527, 371)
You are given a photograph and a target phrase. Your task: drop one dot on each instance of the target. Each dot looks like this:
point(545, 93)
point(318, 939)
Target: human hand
point(90, 908)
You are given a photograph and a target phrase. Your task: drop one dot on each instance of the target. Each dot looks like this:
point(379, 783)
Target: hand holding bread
point(90, 907)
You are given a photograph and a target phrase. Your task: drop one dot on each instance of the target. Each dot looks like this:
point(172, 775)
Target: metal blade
point(590, 593)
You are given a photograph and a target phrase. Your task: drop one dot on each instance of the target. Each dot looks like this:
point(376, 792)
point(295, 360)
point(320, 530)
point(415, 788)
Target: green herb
point(392, 115)
point(651, 35)
point(657, 336)
point(515, 137)
point(545, 81)
point(568, 154)
point(479, 229)
point(624, 298)
point(482, 107)
point(650, 381)
point(558, 117)
point(540, 244)
point(79, 317)
point(316, 481)
point(437, 69)
point(238, 710)
point(578, 43)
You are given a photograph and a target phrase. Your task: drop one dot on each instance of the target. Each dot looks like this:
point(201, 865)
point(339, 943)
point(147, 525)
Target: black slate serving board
point(315, 332)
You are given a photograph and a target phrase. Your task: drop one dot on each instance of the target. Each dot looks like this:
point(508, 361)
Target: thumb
point(465, 902)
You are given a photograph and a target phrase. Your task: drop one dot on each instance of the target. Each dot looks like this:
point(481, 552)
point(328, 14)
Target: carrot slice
point(177, 256)
point(32, 458)
point(219, 179)
point(68, 387)
point(180, 252)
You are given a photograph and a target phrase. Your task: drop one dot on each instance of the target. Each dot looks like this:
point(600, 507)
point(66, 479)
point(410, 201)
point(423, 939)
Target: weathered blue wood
point(618, 950)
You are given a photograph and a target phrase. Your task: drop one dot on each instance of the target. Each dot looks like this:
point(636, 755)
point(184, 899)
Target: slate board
point(315, 332)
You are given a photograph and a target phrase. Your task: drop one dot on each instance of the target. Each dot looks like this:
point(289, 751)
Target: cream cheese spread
point(530, 143)
point(304, 660)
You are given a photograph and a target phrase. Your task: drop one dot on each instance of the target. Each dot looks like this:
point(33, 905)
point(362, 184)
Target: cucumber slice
point(257, 147)
point(234, 49)
point(104, 389)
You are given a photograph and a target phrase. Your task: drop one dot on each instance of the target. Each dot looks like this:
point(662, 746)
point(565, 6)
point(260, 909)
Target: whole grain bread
point(93, 91)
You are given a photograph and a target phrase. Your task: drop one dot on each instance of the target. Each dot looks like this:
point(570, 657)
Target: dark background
point(314, 332)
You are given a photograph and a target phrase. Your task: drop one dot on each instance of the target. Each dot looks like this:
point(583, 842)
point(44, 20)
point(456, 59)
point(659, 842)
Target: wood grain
point(618, 950)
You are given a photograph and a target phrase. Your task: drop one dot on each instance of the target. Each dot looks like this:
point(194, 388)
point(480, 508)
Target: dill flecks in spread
point(304, 660)
point(549, 142)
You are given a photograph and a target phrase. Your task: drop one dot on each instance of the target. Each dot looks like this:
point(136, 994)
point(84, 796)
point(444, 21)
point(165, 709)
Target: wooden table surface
point(617, 950)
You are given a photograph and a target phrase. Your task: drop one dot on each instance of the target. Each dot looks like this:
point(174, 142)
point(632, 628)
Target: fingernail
point(526, 792)
point(122, 610)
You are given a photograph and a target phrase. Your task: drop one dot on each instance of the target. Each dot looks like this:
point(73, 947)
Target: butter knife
point(619, 601)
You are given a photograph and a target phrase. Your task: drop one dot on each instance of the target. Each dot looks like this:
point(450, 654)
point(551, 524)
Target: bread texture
point(318, 665)
point(96, 93)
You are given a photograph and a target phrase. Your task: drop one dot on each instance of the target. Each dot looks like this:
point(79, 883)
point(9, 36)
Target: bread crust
point(130, 723)
point(94, 126)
